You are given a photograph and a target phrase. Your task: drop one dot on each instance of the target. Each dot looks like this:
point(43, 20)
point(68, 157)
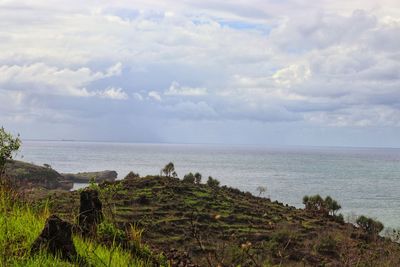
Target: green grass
point(19, 227)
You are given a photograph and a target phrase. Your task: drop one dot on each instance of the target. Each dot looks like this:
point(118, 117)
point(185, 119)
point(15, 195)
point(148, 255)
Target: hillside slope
point(228, 227)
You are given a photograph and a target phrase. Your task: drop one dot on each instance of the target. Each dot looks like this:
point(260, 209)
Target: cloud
point(40, 78)
point(113, 93)
point(177, 90)
point(327, 64)
point(154, 95)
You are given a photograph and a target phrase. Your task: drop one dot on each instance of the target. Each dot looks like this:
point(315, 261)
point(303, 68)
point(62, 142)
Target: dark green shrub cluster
point(132, 175)
point(192, 178)
point(369, 225)
point(212, 182)
point(325, 206)
point(189, 178)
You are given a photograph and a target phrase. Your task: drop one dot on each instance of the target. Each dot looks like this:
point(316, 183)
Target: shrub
point(108, 232)
point(212, 182)
point(317, 203)
point(197, 177)
point(369, 225)
point(8, 146)
point(189, 178)
point(132, 175)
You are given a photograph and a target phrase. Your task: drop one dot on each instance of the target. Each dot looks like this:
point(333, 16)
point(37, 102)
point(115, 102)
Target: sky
point(268, 72)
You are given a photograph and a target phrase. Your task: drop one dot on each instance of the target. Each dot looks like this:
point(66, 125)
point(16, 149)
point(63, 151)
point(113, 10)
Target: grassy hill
point(20, 225)
point(221, 225)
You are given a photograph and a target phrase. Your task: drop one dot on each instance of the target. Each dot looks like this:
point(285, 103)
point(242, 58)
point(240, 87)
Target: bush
point(132, 175)
point(189, 178)
point(197, 177)
point(369, 225)
point(212, 182)
point(108, 232)
point(317, 203)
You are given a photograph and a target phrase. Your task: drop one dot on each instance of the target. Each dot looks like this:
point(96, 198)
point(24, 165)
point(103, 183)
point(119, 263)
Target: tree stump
point(90, 212)
point(56, 238)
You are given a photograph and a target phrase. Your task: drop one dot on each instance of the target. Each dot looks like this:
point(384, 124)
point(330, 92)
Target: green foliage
point(189, 178)
point(212, 182)
point(20, 226)
point(327, 245)
point(197, 177)
point(131, 175)
point(8, 146)
point(369, 225)
point(108, 231)
point(169, 169)
point(318, 204)
point(332, 205)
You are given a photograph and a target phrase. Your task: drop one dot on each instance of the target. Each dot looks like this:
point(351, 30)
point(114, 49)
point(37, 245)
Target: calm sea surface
point(364, 180)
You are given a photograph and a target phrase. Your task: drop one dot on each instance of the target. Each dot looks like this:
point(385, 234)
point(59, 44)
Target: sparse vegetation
point(369, 225)
point(261, 190)
point(211, 182)
point(223, 227)
point(189, 178)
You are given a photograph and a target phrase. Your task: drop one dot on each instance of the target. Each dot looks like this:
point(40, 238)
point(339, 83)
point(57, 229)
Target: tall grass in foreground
point(20, 226)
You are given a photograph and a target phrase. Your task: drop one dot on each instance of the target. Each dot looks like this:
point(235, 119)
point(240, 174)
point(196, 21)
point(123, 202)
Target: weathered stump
point(90, 212)
point(56, 238)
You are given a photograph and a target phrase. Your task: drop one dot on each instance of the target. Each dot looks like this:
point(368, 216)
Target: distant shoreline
point(210, 144)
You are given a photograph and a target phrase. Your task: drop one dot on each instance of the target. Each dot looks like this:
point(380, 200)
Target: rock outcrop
point(90, 211)
point(56, 238)
point(86, 177)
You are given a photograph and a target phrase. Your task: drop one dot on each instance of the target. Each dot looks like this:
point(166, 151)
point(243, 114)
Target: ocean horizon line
point(210, 144)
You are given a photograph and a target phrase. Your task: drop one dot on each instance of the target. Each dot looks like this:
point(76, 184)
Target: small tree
point(8, 146)
point(261, 190)
point(369, 225)
point(332, 205)
point(197, 178)
point(212, 182)
point(168, 169)
point(189, 178)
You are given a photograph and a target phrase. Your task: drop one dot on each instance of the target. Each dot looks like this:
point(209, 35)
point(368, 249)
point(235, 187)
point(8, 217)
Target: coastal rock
point(90, 211)
point(56, 238)
point(86, 177)
point(25, 175)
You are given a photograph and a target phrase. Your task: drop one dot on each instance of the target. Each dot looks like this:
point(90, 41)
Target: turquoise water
point(364, 180)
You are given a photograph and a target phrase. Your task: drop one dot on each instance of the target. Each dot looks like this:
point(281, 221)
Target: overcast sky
point(287, 72)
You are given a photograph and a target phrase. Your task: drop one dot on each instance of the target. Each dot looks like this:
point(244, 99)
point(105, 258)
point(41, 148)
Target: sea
point(363, 180)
